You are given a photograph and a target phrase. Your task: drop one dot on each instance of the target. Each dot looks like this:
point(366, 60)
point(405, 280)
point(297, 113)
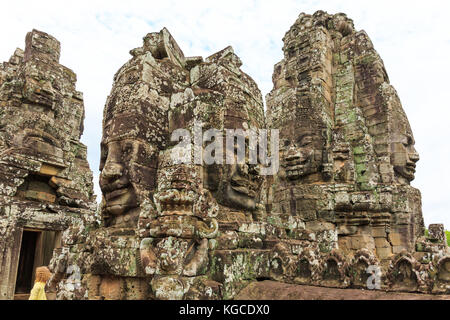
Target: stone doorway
point(26, 262)
point(36, 250)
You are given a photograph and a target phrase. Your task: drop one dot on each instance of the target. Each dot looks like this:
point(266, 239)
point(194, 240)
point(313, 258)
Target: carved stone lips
point(294, 173)
point(244, 186)
point(411, 167)
point(113, 186)
point(294, 167)
point(294, 161)
point(116, 193)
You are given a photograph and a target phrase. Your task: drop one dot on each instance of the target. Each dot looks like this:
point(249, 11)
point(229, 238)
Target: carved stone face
point(171, 252)
point(120, 195)
point(242, 186)
point(301, 153)
point(128, 174)
point(176, 187)
point(34, 126)
point(39, 143)
point(404, 156)
point(242, 181)
point(234, 185)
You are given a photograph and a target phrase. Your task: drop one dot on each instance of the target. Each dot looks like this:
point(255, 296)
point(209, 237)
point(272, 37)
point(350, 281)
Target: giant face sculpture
point(301, 152)
point(41, 125)
point(115, 182)
point(48, 90)
point(128, 167)
point(303, 143)
point(40, 144)
point(135, 125)
point(237, 106)
point(242, 186)
point(34, 126)
point(235, 185)
point(404, 156)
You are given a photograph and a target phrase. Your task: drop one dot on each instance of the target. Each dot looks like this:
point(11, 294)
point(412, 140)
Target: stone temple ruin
point(340, 207)
point(348, 158)
point(46, 183)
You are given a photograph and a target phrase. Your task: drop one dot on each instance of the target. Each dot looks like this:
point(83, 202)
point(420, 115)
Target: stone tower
point(347, 157)
point(171, 230)
point(46, 184)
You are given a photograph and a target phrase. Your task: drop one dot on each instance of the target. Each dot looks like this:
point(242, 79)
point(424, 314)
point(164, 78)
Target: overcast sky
point(412, 37)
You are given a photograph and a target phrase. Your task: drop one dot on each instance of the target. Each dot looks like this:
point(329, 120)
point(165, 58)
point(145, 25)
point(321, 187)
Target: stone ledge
point(271, 290)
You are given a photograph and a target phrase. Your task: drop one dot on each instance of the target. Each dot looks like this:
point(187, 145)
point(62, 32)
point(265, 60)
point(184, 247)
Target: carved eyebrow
point(43, 135)
point(303, 136)
point(410, 138)
point(127, 144)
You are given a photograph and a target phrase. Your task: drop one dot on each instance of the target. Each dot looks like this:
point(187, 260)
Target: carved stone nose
point(112, 170)
point(414, 156)
point(243, 168)
point(253, 169)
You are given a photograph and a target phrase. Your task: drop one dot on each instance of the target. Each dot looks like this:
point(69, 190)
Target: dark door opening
point(36, 250)
point(26, 262)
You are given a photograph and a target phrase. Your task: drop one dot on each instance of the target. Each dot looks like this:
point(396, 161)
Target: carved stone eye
point(446, 266)
point(410, 140)
point(406, 143)
point(127, 149)
point(304, 140)
point(103, 156)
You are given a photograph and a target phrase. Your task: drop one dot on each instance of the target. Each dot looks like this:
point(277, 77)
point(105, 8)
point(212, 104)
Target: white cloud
point(411, 36)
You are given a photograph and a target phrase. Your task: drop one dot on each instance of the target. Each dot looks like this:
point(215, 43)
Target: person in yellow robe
point(38, 291)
